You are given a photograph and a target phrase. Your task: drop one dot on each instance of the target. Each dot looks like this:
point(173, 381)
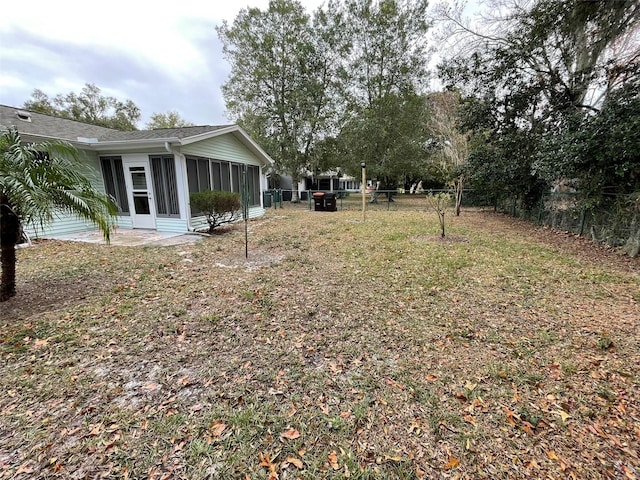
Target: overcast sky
point(162, 55)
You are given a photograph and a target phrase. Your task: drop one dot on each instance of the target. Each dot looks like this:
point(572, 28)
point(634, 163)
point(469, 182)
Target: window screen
point(113, 175)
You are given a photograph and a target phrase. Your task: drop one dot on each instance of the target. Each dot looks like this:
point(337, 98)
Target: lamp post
point(364, 186)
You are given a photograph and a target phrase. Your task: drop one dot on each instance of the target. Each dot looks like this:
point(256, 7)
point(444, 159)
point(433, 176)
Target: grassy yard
point(341, 349)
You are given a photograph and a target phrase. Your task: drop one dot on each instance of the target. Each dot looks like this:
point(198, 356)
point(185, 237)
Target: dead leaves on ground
point(386, 358)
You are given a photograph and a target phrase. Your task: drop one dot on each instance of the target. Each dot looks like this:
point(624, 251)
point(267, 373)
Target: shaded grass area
point(341, 349)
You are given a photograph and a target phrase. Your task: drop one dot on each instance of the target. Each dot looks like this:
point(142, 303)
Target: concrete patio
point(131, 238)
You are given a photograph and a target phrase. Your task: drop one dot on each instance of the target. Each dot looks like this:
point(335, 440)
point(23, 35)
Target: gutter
point(132, 144)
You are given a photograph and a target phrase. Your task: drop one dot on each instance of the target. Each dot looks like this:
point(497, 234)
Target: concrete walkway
point(131, 238)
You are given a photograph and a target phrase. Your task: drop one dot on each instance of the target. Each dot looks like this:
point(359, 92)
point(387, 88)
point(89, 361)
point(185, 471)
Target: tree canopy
point(171, 119)
point(309, 86)
point(538, 83)
point(89, 106)
point(279, 87)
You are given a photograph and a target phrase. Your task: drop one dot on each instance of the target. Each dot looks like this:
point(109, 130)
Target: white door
point(143, 212)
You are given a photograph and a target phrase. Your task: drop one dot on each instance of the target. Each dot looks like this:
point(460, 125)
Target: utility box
point(266, 199)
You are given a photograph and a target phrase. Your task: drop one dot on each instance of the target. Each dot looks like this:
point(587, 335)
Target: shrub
point(218, 207)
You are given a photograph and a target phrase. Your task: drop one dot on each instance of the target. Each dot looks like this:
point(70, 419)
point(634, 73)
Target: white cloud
point(162, 55)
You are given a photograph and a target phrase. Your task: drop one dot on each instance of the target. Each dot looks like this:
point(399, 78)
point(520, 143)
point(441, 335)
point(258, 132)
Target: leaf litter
point(347, 349)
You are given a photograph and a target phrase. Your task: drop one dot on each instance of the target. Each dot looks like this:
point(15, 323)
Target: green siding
point(64, 223)
point(225, 147)
point(174, 225)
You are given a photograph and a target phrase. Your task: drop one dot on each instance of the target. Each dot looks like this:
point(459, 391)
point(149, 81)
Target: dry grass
point(342, 349)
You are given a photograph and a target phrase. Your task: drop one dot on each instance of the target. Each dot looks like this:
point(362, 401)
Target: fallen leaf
point(552, 455)
point(471, 420)
point(628, 473)
point(290, 434)
point(431, 378)
point(509, 414)
point(470, 386)
point(387, 458)
point(40, 343)
point(333, 460)
point(217, 427)
point(394, 384)
point(562, 414)
point(527, 427)
point(460, 395)
point(532, 464)
point(24, 468)
point(295, 461)
point(97, 429)
point(265, 461)
point(452, 463)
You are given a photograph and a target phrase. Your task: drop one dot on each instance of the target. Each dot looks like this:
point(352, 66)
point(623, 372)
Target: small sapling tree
point(218, 207)
point(440, 202)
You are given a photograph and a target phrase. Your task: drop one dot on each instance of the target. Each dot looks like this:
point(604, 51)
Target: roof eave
point(132, 144)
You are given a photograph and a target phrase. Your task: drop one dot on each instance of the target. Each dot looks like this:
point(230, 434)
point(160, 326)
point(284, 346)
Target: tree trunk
point(9, 231)
point(295, 185)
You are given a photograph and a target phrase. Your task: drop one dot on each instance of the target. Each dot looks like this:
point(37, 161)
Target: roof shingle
point(70, 130)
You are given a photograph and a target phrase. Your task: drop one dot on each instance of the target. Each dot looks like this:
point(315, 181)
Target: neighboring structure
point(329, 181)
point(150, 173)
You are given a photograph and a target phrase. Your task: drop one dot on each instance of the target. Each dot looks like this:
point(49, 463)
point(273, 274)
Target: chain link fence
point(375, 200)
point(613, 220)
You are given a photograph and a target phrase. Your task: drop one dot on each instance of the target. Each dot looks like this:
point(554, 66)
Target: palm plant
point(38, 181)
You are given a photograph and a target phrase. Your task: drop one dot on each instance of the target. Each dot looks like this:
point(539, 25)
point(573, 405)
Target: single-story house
point(150, 173)
point(326, 181)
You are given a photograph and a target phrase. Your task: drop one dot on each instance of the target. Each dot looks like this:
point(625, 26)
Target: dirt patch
point(439, 238)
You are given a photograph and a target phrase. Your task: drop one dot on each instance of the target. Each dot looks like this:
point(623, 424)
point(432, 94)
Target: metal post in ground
point(582, 221)
point(540, 209)
point(364, 186)
point(245, 210)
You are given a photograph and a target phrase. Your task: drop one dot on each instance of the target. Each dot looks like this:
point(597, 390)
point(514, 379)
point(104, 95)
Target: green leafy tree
point(282, 74)
point(89, 106)
point(37, 181)
point(560, 55)
point(600, 152)
point(389, 136)
point(387, 68)
point(170, 119)
point(220, 207)
point(390, 51)
point(536, 78)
